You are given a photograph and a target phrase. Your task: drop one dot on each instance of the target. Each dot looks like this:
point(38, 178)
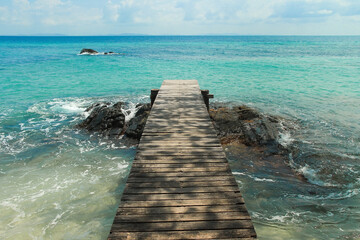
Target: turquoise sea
point(59, 183)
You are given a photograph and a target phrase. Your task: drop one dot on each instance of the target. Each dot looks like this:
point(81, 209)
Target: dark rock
point(105, 119)
point(144, 109)
point(136, 125)
point(225, 121)
point(87, 51)
point(246, 113)
point(247, 125)
point(94, 105)
point(109, 120)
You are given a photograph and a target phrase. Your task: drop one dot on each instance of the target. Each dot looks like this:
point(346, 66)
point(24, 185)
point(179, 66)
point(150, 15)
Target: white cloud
point(257, 11)
point(48, 4)
point(111, 11)
point(4, 14)
point(325, 12)
point(51, 13)
point(20, 13)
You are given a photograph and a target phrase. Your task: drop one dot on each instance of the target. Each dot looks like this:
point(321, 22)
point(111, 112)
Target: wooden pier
point(180, 185)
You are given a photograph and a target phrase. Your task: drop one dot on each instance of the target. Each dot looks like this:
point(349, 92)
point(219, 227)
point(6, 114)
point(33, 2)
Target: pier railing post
point(154, 93)
point(206, 97)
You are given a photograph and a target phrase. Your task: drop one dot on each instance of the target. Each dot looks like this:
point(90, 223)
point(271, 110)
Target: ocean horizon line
point(182, 35)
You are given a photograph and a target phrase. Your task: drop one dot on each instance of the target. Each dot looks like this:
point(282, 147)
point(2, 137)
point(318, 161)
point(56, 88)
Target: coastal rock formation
point(136, 125)
point(109, 120)
point(248, 126)
point(88, 51)
point(239, 123)
point(106, 119)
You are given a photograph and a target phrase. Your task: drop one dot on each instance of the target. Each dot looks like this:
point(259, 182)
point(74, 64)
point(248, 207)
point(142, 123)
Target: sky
point(180, 17)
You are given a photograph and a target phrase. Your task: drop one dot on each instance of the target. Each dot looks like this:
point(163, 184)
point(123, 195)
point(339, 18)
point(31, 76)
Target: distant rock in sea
point(88, 51)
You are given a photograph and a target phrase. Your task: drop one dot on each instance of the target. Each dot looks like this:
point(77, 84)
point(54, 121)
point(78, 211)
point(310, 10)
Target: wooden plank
point(177, 165)
point(176, 196)
point(182, 202)
point(181, 226)
point(176, 148)
point(178, 174)
point(187, 124)
point(177, 235)
point(183, 217)
point(169, 170)
point(179, 157)
point(181, 137)
point(182, 190)
point(182, 210)
point(181, 179)
point(177, 135)
point(182, 142)
point(181, 152)
point(177, 184)
point(161, 140)
point(179, 161)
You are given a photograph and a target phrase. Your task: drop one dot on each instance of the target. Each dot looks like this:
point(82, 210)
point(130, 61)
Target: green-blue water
point(59, 183)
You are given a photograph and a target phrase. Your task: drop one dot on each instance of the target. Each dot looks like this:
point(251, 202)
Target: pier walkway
point(180, 185)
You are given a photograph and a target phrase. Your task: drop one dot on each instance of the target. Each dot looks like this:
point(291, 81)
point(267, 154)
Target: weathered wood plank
point(182, 190)
point(181, 179)
point(178, 137)
point(184, 149)
point(179, 161)
point(179, 174)
point(177, 184)
point(177, 165)
point(181, 210)
point(183, 202)
point(178, 157)
point(185, 143)
point(181, 226)
point(169, 170)
point(179, 152)
point(177, 235)
point(183, 217)
point(176, 196)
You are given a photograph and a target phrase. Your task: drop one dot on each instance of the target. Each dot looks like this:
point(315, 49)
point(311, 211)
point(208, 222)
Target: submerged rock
point(88, 51)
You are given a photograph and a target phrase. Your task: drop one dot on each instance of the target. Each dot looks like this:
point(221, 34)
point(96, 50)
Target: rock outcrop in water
point(109, 120)
point(88, 51)
point(248, 126)
point(105, 119)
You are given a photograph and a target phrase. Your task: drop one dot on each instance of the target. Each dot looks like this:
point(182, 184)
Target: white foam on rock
point(130, 111)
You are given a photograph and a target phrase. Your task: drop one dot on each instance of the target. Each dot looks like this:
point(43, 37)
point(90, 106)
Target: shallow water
point(57, 182)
